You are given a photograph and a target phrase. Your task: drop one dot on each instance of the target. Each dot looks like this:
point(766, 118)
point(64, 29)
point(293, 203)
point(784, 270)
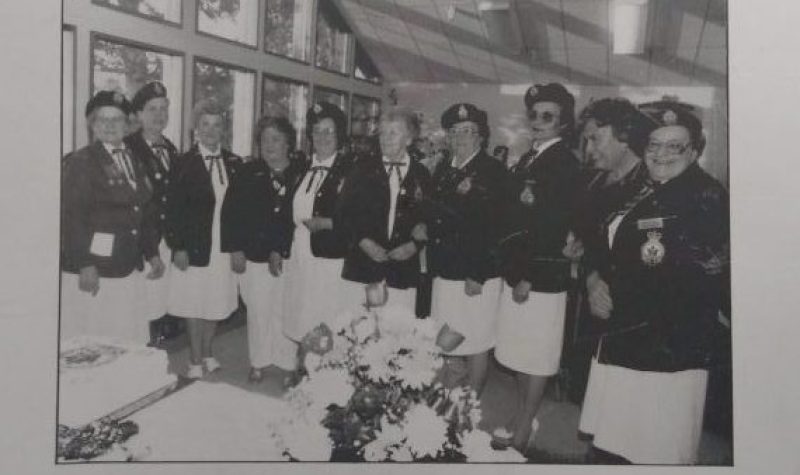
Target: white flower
point(395, 320)
point(312, 361)
point(377, 355)
point(416, 372)
point(376, 451)
point(364, 327)
point(305, 440)
point(426, 431)
point(401, 454)
point(329, 386)
point(476, 445)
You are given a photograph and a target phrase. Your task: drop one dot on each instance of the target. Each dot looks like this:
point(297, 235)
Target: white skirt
point(474, 317)
point(263, 295)
point(115, 312)
point(315, 290)
point(645, 416)
point(530, 335)
point(210, 292)
point(156, 292)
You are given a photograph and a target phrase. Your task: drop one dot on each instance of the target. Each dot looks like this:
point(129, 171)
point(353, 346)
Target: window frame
point(311, 38)
point(178, 24)
point(198, 31)
point(96, 35)
point(302, 141)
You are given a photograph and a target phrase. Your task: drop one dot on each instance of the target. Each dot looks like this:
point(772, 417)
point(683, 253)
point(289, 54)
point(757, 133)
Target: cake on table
point(99, 376)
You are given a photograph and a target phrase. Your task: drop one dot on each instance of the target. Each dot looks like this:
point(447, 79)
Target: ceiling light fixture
point(629, 25)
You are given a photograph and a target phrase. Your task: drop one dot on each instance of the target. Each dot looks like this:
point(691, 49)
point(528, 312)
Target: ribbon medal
point(653, 250)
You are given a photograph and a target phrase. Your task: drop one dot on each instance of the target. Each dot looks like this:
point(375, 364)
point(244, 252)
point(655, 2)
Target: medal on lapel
point(527, 197)
point(158, 175)
point(653, 250)
point(464, 186)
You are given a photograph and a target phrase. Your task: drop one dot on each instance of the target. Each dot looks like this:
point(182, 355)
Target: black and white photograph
point(400, 235)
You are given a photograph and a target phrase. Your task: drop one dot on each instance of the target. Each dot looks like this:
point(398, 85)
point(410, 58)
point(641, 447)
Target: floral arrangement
point(93, 440)
point(371, 394)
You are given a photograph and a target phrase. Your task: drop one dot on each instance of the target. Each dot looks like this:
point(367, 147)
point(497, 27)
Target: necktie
point(317, 171)
point(123, 162)
point(395, 178)
point(215, 161)
point(161, 152)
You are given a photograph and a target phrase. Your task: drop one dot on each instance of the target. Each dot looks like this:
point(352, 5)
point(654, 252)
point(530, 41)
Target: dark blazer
point(329, 243)
point(158, 175)
point(463, 219)
point(259, 211)
point(665, 310)
point(540, 201)
point(365, 214)
point(96, 198)
point(190, 204)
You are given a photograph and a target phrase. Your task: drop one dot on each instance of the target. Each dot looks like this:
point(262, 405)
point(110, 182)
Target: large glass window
point(287, 28)
point(285, 98)
point(233, 89)
point(364, 67)
point(332, 96)
point(333, 39)
point(68, 91)
point(166, 10)
point(121, 67)
point(364, 116)
point(235, 20)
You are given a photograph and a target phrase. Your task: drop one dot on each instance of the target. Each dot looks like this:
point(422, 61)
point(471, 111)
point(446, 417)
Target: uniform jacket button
point(134, 232)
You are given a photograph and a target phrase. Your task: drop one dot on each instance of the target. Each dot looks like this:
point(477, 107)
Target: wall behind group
point(508, 123)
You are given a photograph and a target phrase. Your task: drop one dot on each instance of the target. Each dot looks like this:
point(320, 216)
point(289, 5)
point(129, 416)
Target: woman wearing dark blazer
point(203, 286)
point(259, 235)
point(542, 189)
point(462, 225)
point(316, 293)
point(108, 230)
point(384, 202)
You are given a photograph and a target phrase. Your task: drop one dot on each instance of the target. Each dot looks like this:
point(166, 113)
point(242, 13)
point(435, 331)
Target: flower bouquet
point(373, 395)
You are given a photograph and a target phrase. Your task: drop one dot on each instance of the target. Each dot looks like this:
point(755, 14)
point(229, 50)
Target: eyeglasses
point(547, 116)
point(323, 132)
point(672, 148)
point(462, 131)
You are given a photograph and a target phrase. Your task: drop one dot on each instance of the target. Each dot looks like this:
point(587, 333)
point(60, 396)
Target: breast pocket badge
point(653, 250)
point(464, 186)
point(527, 197)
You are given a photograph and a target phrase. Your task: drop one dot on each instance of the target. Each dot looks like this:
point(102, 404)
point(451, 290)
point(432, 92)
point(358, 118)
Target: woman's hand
point(521, 291)
point(573, 249)
point(472, 288)
point(373, 250)
point(156, 268)
point(318, 224)
point(89, 280)
point(238, 262)
point(599, 296)
point(181, 260)
point(420, 232)
point(275, 264)
point(403, 252)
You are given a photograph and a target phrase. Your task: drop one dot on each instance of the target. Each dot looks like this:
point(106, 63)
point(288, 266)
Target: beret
point(108, 98)
point(149, 91)
point(464, 112)
point(551, 92)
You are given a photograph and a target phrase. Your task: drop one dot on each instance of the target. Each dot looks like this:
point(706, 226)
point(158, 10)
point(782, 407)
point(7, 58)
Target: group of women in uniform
point(300, 241)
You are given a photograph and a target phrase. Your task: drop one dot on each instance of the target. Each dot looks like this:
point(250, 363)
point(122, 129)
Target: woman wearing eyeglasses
point(203, 287)
point(662, 280)
point(316, 293)
point(109, 228)
point(541, 193)
point(461, 229)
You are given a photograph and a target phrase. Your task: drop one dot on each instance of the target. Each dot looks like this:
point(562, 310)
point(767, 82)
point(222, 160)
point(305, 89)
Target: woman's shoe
point(195, 371)
point(211, 364)
point(256, 375)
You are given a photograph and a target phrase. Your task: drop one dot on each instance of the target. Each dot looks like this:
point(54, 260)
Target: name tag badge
point(650, 223)
point(102, 244)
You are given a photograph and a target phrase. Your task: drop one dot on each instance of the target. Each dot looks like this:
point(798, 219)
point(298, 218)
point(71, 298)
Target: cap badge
point(317, 108)
point(462, 112)
point(534, 90)
point(669, 118)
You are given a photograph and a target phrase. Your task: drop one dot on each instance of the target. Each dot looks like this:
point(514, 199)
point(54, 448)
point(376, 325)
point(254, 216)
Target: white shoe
point(195, 371)
point(211, 364)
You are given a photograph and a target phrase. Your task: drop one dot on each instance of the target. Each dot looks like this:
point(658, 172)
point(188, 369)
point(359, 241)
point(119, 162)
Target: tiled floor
point(555, 442)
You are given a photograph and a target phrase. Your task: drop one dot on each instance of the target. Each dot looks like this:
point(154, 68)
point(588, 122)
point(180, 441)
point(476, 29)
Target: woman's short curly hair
point(406, 115)
point(628, 124)
point(279, 123)
point(206, 107)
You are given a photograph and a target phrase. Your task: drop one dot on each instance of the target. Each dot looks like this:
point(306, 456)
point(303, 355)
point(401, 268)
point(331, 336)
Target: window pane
point(124, 68)
point(365, 69)
point(287, 28)
point(365, 115)
point(288, 99)
point(334, 97)
point(333, 39)
point(233, 90)
point(235, 20)
point(68, 92)
point(168, 10)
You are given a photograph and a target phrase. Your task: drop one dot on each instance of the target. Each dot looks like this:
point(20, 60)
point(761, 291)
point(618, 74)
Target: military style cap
point(108, 98)
point(552, 92)
point(149, 91)
point(464, 112)
point(668, 112)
